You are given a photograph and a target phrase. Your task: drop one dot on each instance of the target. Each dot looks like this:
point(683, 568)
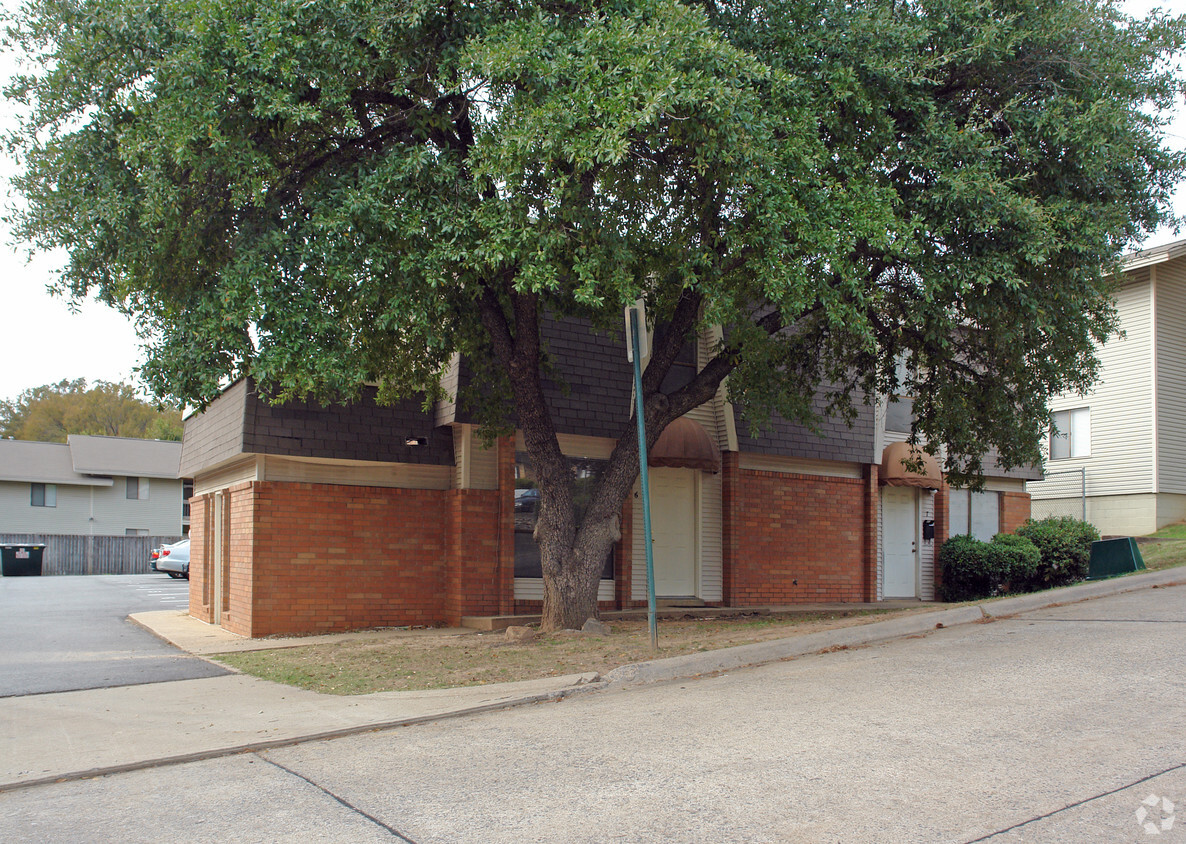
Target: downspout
point(1154, 339)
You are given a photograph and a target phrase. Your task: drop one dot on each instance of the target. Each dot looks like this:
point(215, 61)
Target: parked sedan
point(173, 559)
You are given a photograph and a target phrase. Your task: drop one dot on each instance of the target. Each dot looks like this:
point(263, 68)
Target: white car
point(174, 559)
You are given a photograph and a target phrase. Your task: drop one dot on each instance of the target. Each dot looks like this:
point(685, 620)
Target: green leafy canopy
point(324, 192)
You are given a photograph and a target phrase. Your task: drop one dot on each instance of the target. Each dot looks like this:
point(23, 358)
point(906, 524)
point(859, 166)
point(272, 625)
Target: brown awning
point(685, 445)
point(895, 473)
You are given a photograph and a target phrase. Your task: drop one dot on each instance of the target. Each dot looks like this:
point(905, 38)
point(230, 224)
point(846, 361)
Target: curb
point(761, 653)
point(745, 656)
point(1084, 592)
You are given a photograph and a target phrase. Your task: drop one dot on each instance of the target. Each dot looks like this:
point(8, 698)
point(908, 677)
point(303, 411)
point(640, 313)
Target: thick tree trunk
point(572, 577)
point(572, 555)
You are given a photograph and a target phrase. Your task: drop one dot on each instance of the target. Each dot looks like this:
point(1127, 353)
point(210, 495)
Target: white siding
point(1121, 459)
point(159, 513)
point(926, 552)
point(1170, 301)
point(638, 549)
point(798, 466)
point(711, 537)
point(474, 465)
point(355, 473)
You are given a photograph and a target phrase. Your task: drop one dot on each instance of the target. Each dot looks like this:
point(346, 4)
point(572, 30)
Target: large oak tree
point(322, 192)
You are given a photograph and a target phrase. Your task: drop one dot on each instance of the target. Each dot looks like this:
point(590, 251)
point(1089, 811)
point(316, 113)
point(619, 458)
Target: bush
point(1065, 546)
point(966, 573)
point(973, 569)
point(1016, 559)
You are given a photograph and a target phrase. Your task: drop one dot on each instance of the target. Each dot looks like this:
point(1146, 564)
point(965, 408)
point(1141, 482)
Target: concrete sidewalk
point(71, 735)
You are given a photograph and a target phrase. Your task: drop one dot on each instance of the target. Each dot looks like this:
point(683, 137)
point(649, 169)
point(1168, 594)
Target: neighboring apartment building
point(91, 486)
point(310, 518)
point(1119, 455)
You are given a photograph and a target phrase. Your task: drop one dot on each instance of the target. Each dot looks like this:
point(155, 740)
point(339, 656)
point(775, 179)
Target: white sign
point(643, 349)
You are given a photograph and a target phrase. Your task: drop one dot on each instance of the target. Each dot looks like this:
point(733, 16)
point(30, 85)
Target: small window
point(1071, 434)
point(137, 488)
point(977, 514)
point(43, 495)
point(135, 531)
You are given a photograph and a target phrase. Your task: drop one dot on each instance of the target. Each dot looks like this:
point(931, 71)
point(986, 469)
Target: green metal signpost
point(635, 318)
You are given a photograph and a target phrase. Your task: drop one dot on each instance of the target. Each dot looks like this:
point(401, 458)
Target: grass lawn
point(427, 662)
point(1164, 549)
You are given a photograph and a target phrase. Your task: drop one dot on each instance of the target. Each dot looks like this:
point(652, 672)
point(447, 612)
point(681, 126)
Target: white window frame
point(1070, 437)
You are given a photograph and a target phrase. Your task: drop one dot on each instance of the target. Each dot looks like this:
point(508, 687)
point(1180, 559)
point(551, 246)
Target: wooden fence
point(92, 554)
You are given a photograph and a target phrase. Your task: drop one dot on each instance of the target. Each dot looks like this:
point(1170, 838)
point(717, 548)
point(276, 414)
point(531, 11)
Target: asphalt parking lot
point(68, 633)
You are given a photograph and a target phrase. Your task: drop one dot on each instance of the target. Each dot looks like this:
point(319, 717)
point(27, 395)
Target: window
point(43, 495)
point(137, 488)
point(899, 409)
point(585, 474)
point(1071, 434)
point(135, 531)
point(977, 514)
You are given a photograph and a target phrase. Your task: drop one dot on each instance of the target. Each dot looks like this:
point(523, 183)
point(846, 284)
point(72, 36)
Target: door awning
point(894, 472)
point(684, 444)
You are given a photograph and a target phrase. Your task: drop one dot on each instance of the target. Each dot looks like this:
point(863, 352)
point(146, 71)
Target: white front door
point(899, 514)
point(673, 531)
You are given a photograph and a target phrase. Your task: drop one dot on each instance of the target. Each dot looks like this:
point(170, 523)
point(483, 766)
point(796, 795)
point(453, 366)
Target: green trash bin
point(21, 560)
point(1112, 557)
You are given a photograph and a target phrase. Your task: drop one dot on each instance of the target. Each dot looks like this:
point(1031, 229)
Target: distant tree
point(321, 193)
point(51, 412)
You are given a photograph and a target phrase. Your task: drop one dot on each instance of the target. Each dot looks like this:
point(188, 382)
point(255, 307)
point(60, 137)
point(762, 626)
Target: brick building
point(309, 518)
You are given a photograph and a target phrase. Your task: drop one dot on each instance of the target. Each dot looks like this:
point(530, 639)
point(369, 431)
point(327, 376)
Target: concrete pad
point(197, 637)
point(85, 733)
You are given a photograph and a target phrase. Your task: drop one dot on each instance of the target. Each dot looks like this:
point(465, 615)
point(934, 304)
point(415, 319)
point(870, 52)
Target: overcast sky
point(43, 342)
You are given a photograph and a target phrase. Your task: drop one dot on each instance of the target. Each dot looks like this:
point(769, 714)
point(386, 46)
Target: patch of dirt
point(429, 662)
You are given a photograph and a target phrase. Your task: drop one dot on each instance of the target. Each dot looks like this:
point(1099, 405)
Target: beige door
point(674, 531)
point(899, 513)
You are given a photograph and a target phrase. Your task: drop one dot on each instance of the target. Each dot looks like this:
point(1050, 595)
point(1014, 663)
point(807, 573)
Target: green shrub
point(964, 561)
point(1016, 560)
point(1065, 546)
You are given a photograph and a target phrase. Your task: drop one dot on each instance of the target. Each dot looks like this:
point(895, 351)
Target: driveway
point(66, 633)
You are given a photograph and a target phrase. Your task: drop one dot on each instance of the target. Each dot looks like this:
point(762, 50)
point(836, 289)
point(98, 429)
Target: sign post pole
point(636, 324)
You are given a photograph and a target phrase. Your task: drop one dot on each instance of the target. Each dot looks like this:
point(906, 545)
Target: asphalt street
point(67, 633)
point(1060, 725)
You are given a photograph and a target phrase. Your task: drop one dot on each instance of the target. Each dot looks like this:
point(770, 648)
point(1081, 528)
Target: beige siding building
point(1119, 456)
point(95, 486)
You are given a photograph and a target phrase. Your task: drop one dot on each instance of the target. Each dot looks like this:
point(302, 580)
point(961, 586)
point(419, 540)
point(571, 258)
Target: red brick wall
point(199, 607)
point(473, 584)
point(1015, 509)
point(792, 538)
point(314, 557)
